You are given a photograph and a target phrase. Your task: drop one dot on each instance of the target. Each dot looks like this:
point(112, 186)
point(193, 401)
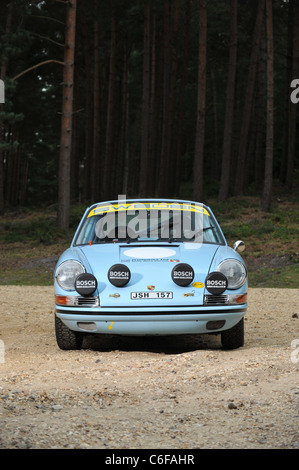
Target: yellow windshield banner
point(133, 206)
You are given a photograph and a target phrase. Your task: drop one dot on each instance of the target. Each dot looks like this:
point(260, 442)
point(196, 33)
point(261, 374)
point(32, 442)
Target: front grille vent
point(87, 301)
point(216, 299)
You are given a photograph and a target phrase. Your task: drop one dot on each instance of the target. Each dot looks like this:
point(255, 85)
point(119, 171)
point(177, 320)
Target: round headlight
point(234, 271)
point(67, 272)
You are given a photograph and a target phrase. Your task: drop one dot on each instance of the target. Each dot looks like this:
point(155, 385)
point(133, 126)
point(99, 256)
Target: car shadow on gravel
point(174, 344)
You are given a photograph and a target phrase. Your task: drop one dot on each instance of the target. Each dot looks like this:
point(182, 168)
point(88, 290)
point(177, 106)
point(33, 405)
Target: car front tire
point(234, 337)
point(66, 338)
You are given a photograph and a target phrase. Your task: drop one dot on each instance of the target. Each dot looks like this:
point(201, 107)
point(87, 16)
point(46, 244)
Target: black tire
point(234, 337)
point(66, 338)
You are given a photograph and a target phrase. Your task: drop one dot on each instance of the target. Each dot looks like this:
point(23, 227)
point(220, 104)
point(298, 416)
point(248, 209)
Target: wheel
point(66, 338)
point(234, 337)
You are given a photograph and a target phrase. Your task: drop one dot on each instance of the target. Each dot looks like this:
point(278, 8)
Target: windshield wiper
point(129, 239)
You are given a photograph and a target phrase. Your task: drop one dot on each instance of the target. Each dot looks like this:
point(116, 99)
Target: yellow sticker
point(148, 206)
point(198, 285)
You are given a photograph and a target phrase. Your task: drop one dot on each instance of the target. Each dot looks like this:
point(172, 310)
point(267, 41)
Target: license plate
point(151, 295)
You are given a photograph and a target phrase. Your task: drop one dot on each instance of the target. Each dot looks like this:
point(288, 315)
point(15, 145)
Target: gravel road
point(180, 392)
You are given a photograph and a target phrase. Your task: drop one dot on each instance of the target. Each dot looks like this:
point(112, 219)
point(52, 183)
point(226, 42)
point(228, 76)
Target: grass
point(271, 238)
point(30, 245)
point(263, 231)
point(30, 242)
point(286, 277)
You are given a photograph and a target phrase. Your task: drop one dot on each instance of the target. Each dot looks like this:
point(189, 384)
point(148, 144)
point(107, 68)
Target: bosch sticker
point(182, 274)
point(85, 284)
point(119, 275)
point(216, 283)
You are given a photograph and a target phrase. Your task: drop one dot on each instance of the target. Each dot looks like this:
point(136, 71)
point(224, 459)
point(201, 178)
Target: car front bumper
point(151, 321)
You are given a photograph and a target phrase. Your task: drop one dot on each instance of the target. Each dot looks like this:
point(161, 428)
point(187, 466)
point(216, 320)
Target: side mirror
point(239, 246)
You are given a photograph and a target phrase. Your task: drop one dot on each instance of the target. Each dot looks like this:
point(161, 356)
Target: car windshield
point(148, 222)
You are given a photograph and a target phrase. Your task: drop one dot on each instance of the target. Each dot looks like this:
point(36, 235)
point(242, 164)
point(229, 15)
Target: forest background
point(185, 99)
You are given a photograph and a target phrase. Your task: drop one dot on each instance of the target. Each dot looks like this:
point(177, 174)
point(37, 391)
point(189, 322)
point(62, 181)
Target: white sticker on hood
point(149, 253)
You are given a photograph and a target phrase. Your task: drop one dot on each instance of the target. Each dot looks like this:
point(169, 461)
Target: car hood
point(150, 267)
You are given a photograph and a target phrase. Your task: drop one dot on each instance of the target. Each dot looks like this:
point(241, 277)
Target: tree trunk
point(75, 157)
point(249, 99)
point(288, 80)
point(153, 113)
point(214, 168)
point(172, 183)
point(230, 96)
point(260, 105)
point(124, 124)
point(94, 183)
point(88, 111)
point(2, 132)
point(182, 91)
point(293, 106)
point(144, 161)
point(66, 123)
point(23, 182)
point(201, 105)
point(108, 183)
point(266, 201)
point(163, 176)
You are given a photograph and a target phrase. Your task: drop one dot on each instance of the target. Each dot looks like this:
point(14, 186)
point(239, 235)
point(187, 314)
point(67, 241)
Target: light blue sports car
point(150, 267)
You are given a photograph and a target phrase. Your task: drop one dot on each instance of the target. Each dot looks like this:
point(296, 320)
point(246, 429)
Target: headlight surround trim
point(235, 272)
point(67, 272)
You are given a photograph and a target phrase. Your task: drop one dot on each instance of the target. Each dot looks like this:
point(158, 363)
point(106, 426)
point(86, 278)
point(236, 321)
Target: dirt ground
point(181, 392)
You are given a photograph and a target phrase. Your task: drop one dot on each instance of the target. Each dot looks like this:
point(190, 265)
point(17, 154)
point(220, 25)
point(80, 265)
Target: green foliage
point(241, 218)
point(39, 230)
point(36, 227)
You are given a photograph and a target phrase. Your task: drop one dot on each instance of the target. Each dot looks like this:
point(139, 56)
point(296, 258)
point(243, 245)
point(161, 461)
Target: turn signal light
point(241, 299)
point(61, 299)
